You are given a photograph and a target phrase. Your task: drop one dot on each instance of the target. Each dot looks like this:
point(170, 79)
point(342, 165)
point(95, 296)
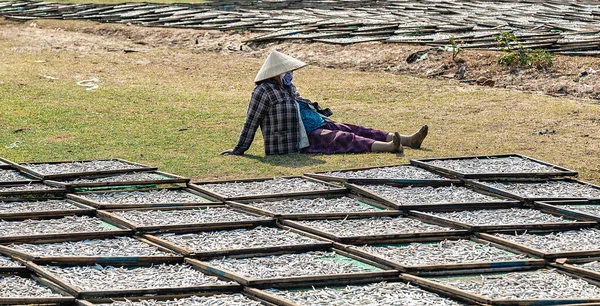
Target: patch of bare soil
point(569, 76)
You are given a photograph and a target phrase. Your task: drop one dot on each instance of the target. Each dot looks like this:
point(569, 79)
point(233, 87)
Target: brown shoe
point(397, 143)
point(415, 140)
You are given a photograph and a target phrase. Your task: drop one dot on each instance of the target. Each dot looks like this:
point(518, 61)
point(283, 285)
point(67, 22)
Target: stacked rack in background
point(443, 231)
point(558, 26)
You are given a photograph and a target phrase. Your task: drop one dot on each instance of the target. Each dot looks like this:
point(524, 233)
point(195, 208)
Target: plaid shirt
point(273, 108)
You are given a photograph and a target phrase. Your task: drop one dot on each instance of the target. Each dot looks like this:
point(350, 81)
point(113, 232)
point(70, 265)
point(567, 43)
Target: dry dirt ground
point(569, 76)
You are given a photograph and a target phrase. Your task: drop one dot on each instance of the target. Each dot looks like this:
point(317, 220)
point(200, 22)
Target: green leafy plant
point(514, 54)
point(455, 48)
point(541, 58)
point(504, 39)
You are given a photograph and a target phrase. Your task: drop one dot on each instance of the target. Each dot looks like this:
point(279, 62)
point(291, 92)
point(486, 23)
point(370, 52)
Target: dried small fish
point(397, 172)
point(590, 209)
point(568, 241)
point(13, 286)
point(441, 252)
point(539, 284)
point(274, 186)
point(99, 277)
point(71, 224)
point(35, 206)
point(319, 205)
point(26, 187)
point(12, 176)
point(153, 196)
point(594, 266)
point(547, 189)
point(79, 167)
point(511, 164)
point(8, 262)
point(185, 216)
point(235, 299)
point(382, 293)
point(112, 247)
point(287, 265)
point(430, 195)
point(510, 216)
point(124, 177)
point(373, 226)
point(237, 239)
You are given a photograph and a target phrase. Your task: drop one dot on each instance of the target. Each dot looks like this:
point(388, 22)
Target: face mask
point(287, 78)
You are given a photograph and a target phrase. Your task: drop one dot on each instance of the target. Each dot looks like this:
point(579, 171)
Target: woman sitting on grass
point(291, 124)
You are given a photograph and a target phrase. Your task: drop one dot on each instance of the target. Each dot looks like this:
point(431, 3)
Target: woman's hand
point(230, 152)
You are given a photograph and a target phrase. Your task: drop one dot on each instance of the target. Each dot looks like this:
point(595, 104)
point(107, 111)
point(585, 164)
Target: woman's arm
point(257, 109)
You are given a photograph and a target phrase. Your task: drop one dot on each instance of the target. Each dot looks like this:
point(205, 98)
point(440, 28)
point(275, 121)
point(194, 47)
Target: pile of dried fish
point(579, 240)
point(320, 205)
point(237, 239)
point(71, 224)
point(397, 172)
point(274, 186)
point(31, 206)
point(235, 299)
point(145, 197)
point(125, 177)
point(594, 266)
point(12, 176)
point(26, 187)
point(8, 262)
point(13, 286)
point(502, 216)
point(184, 216)
point(99, 277)
point(442, 252)
point(113, 247)
point(79, 167)
point(590, 209)
point(430, 195)
point(540, 284)
point(493, 165)
point(372, 294)
point(373, 226)
point(288, 265)
point(547, 189)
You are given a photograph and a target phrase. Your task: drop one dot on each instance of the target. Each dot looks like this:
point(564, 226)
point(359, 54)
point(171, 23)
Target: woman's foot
point(397, 140)
point(415, 140)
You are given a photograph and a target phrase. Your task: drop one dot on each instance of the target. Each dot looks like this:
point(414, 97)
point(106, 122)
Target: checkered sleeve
point(257, 109)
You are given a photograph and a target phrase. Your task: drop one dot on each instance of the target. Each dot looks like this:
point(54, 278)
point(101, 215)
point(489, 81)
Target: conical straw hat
point(276, 64)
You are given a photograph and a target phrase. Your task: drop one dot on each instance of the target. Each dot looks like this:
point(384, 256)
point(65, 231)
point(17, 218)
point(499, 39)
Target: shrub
point(455, 48)
point(520, 56)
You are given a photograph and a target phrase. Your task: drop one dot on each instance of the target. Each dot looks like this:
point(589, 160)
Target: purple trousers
point(336, 137)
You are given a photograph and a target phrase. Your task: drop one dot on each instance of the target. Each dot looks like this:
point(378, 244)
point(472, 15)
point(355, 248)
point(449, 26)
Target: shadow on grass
point(288, 160)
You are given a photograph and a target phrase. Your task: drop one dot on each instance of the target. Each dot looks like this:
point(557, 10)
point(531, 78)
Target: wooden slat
point(84, 294)
point(76, 174)
point(382, 238)
point(334, 189)
point(71, 186)
point(80, 197)
point(502, 203)
point(84, 210)
point(179, 228)
point(281, 282)
point(444, 289)
point(581, 223)
point(424, 163)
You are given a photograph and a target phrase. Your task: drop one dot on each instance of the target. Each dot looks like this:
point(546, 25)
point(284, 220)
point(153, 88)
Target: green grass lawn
point(178, 108)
